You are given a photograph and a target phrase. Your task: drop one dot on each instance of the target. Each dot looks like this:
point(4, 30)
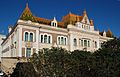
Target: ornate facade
point(32, 33)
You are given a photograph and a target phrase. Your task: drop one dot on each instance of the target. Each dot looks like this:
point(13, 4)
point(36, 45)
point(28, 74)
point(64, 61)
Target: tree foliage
point(58, 62)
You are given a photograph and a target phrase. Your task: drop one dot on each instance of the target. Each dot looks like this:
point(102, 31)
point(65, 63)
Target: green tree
point(107, 59)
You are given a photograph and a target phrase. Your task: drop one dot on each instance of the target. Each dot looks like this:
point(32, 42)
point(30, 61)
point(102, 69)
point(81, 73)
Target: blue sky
point(105, 13)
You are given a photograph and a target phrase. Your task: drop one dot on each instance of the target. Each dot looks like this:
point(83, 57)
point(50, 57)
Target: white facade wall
point(1, 40)
point(72, 31)
point(12, 44)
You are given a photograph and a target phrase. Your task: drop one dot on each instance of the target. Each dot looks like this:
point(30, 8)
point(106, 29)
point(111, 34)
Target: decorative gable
point(85, 19)
point(54, 22)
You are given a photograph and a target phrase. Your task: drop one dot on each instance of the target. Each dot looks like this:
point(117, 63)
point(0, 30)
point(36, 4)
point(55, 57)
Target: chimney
point(9, 28)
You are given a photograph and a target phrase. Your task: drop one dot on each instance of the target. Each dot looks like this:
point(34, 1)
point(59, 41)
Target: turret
point(109, 33)
point(91, 24)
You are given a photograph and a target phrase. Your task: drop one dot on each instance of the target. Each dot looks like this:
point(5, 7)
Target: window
point(65, 41)
point(31, 37)
point(82, 26)
point(95, 44)
point(49, 39)
point(28, 52)
point(82, 43)
point(88, 43)
point(26, 36)
point(58, 40)
point(85, 43)
point(54, 24)
point(75, 42)
point(62, 40)
point(45, 38)
point(41, 40)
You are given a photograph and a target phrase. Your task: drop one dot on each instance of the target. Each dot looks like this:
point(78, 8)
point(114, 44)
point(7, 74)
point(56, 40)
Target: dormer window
point(54, 22)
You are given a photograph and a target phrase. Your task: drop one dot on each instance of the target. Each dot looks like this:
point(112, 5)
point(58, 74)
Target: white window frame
point(59, 42)
point(29, 36)
point(43, 34)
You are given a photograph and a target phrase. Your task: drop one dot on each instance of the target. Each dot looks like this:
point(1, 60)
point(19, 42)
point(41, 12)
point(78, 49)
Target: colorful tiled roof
point(27, 15)
point(71, 18)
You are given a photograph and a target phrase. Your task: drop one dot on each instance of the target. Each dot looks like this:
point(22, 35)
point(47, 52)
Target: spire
point(84, 12)
point(27, 14)
point(27, 5)
point(109, 33)
point(54, 19)
point(27, 10)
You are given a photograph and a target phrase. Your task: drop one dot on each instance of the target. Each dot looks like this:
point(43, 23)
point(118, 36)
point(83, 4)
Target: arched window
point(26, 36)
point(75, 42)
point(31, 37)
point(85, 43)
point(88, 43)
point(41, 39)
point(55, 24)
point(58, 40)
point(49, 39)
point(95, 44)
point(62, 40)
point(45, 38)
point(65, 41)
point(82, 43)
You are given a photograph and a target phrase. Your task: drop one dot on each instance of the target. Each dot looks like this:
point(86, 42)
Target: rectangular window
point(28, 52)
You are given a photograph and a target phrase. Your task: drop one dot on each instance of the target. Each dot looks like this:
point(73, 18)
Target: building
point(32, 33)
point(2, 37)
